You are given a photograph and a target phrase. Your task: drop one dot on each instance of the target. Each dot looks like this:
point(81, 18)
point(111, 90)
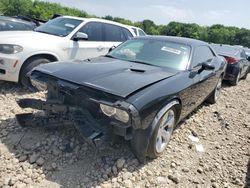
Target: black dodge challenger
point(140, 90)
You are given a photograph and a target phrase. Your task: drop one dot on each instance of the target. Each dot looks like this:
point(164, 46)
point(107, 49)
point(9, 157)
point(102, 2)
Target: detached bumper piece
point(59, 115)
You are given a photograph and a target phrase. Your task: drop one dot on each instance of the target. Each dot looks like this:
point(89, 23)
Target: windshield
point(154, 52)
point(59, 26)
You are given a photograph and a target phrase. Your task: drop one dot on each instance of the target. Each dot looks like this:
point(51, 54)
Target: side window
point(243, 54)
point(113, 33)
point(141, 33)
point(127, 34)
point(135, 31)
point(93, 30)
point(202, 54)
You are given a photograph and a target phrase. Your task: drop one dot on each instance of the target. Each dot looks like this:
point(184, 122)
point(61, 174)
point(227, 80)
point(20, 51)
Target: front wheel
point(27, 67)
point(162, 133)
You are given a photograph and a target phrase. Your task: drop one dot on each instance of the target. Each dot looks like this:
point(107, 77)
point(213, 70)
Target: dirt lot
point(211, 149)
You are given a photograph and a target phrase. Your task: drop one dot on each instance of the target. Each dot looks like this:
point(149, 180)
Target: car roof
point(98, 20)
point(183, 40)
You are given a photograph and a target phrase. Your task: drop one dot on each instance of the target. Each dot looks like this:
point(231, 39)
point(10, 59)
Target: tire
point(157, 144)
point(236, 81)
point(27, 67)
point(216, 92)
point(245, 76)
point(146, 142)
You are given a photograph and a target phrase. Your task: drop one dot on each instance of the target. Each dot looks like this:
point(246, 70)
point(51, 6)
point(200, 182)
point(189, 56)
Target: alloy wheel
point(166, 128)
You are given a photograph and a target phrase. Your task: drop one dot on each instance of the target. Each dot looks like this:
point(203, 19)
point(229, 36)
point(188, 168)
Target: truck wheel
point(215, 94)
point(27, 67)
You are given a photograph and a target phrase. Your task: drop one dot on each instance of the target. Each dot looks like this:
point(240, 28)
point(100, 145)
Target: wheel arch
point(51, 57)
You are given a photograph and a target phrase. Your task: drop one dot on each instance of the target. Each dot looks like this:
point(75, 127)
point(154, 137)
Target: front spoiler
point(60, 115)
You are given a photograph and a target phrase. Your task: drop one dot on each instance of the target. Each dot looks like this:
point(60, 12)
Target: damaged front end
point(92, 112)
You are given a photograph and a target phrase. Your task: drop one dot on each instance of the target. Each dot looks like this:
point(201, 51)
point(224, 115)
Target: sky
point(203, 12)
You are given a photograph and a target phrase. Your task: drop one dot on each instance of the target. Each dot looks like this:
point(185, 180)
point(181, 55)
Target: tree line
point(215, 33)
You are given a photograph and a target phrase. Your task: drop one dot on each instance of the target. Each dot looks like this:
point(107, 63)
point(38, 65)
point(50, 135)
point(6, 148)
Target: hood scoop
point(137, 70)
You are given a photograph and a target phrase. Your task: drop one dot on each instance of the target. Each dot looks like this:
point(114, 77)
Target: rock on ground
point(60, 158)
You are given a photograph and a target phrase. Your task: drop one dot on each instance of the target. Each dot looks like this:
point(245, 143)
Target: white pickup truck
point(60, 39)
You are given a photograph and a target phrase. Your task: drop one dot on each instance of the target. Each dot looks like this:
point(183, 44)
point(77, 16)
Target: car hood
point(16, 36)
point(113, 76)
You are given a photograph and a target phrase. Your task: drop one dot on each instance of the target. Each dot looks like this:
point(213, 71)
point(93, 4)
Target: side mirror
point(248, 58)
point(80, 36)
point(207, 66)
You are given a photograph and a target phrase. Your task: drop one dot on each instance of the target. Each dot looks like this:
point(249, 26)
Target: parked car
point(237, 63)
point(60, 39)
point(15, 24)
point(247, 50)
point(141, 90)
point(138, 31)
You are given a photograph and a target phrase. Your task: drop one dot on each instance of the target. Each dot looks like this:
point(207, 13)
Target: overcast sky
point(203, 12)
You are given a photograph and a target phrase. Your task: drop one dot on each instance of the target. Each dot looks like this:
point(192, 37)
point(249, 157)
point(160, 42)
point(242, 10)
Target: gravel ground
point(210, 149)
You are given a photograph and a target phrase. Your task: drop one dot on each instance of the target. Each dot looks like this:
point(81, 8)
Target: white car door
point(93, 47)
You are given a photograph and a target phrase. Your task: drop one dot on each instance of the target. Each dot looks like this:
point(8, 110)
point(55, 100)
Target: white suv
point(60, 39)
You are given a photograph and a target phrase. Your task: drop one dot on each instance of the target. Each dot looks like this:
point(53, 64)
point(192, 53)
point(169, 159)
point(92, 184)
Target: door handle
point(100, 48)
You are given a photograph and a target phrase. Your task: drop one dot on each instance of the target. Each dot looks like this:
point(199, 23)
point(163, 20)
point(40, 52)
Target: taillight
point(231, 60)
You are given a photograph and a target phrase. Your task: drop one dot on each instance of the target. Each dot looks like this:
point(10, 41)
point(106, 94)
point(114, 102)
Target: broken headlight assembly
point(116, 113)
point(39, 85)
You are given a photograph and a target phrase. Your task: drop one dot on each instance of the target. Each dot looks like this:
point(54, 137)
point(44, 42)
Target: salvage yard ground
point(210, 149)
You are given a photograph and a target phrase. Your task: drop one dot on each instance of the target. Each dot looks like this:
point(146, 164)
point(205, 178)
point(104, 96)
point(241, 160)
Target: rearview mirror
point(207, 66)
point(80, 36)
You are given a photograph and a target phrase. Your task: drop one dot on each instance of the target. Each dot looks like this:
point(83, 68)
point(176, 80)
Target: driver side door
point(204, 80)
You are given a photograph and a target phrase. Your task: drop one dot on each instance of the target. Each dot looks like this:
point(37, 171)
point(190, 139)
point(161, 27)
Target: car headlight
point(116, 113)
point(10, 48)
point(41, 86)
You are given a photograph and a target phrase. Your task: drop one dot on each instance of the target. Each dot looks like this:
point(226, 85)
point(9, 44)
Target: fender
point(141, 137)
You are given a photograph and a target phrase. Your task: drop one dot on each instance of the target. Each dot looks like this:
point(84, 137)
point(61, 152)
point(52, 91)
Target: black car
point(15, 24)
point(141, 90)
point(237, 62)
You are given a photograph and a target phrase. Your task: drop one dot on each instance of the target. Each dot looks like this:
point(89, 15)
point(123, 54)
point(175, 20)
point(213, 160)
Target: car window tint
point(113, 33)
point(141, 33)
point(135, 31)
point(93, 30)
point(127, 34)
point(243, 54)
point(202, 54)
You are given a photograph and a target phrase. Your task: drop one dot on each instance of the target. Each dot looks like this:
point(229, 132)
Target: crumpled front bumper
point(60, 115)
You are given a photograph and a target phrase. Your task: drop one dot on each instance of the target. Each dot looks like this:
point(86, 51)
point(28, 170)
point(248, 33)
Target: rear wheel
point(245, 76)
point(27, 67)
point(216, 93)
point(236, 81)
